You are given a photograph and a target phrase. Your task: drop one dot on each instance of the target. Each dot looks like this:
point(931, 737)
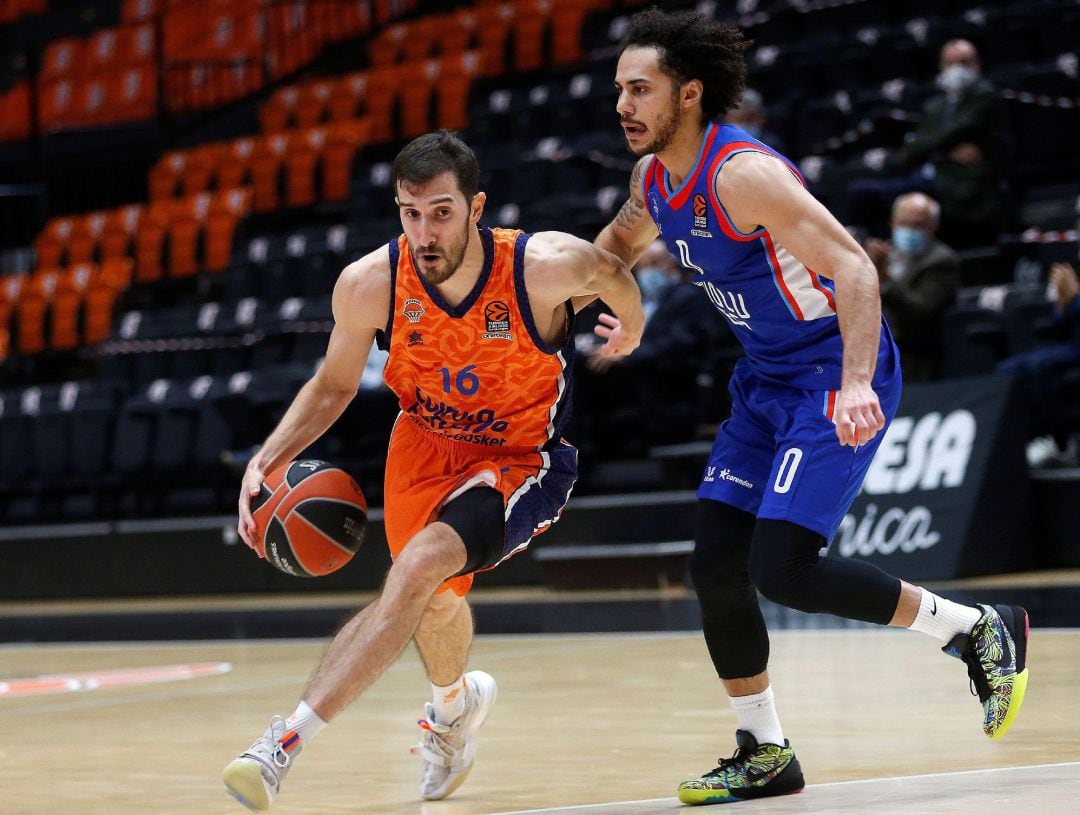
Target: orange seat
point(15, 122)
point(234, 165)
point(418, 82)
point(140, 10)
point(30, 313)
point(305, 149)
point(529, 26)
point(101, 50)
point(65, 306)
point(343, 139)
point(383, 89)
point(62, 58)
point(349, 96)
point(99, 299)
point(150, 241)
point(85, 237)
point(452, 90)
point(422, 39)
point(226, 210)
point(92, 101)
point(267, 161)
point(311, 106)
point(164, 177)
point(185, 232)
point(386, 48)
point(198, 173)
point(279, 111)
point(138, 45)
point(133, 95)
point(56, 101)
point(51, 243)
point(120, 227)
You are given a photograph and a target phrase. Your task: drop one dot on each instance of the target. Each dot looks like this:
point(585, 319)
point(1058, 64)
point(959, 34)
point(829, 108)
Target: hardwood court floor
point(611, 720)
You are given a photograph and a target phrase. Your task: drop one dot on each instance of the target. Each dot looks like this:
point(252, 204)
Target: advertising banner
point(948, 493)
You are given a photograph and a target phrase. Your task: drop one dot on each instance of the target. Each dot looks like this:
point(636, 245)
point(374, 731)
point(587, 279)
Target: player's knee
point(432, 556)
point(440, 611)
point(781, 563)
point(721, 541)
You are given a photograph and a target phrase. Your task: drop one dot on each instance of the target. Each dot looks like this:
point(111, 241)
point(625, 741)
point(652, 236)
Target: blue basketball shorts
point(778, 455)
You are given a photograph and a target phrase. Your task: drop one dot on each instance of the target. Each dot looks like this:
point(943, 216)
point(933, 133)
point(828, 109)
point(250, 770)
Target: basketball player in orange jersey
point(478, 325)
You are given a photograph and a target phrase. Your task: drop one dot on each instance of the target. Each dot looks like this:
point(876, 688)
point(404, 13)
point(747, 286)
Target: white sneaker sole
point(244, 781)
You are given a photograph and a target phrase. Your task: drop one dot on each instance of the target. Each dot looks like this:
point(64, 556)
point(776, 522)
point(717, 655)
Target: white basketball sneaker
point(449, 750)
point(254, 777)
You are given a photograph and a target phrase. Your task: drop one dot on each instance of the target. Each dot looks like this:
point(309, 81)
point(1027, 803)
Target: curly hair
point(694, 47)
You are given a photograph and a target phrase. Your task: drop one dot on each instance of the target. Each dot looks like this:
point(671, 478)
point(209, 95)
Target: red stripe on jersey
point(778, 274)
point(823, 289)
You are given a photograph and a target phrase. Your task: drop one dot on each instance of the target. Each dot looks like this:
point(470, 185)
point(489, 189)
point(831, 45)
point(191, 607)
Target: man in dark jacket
point(957, 154)
point(919, 277)
point(960, 146)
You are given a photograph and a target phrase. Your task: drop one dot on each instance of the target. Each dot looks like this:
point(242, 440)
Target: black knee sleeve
point(478, 516)
point(730, 616)
point(786, 566)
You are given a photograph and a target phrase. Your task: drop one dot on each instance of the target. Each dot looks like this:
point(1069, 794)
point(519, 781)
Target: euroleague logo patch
point(497, 317)
point(701, 217)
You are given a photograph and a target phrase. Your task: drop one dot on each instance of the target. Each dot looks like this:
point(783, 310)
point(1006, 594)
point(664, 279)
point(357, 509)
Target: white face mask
point(956, 78)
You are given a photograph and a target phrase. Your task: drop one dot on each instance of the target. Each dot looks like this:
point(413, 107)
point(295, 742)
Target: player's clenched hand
point(249, 488)
point(857, 414)
point(620, 342)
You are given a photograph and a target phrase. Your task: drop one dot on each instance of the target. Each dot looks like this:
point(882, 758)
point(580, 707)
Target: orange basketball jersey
point(479, 372)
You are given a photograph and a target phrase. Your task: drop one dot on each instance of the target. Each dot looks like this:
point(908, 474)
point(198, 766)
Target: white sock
point(757, 714)
point(305, 722)
point(449, 701)
point(943, 618)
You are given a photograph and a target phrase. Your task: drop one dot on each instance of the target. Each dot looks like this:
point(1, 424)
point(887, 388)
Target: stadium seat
point(301, 166)
point(343, 140)
point(267, 164)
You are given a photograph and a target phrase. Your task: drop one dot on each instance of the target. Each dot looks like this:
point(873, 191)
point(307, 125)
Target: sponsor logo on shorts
point(712, 476)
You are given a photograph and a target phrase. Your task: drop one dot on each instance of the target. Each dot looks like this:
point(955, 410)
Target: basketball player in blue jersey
point(819, 383)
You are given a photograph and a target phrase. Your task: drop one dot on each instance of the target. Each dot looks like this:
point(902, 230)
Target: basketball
point(310, 518)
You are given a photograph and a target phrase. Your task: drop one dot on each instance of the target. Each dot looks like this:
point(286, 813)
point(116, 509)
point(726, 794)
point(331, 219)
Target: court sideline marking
point(583, 807)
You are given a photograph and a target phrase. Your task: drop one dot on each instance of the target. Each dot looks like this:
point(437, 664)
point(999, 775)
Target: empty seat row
point(289, 168)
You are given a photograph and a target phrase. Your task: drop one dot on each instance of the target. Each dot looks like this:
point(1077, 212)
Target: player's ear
point(692, 92)
point(477, 207)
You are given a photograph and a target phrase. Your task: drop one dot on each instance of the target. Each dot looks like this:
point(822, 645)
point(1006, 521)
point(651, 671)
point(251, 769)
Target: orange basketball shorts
point(425, 470)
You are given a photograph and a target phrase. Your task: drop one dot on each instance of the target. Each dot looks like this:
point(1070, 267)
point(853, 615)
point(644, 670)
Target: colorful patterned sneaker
point(755, 771)
point(254, 777)
point(995, 653)
point(449, 750)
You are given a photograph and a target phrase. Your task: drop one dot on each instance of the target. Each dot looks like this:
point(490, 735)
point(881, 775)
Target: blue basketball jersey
point(783, 313)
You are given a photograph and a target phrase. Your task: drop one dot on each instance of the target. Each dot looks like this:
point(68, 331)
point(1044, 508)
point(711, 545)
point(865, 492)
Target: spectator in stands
point(751, 116)
point(957, 154)
point(1047, 371)
point(919, 277)
point(615, 403)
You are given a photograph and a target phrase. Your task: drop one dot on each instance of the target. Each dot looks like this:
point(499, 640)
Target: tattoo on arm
point(634, 207)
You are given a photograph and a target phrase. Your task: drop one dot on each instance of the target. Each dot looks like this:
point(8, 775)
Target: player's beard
point(664, 129)
point(452, 256)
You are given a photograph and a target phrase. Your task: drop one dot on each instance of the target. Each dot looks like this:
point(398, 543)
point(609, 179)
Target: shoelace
point(269, 744)
point(977, 680)
point(436, 743)
point(741, 756)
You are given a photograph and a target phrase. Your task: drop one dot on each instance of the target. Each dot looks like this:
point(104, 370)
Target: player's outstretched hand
point(857, 414)
point(619, 342)
point(249, 488)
